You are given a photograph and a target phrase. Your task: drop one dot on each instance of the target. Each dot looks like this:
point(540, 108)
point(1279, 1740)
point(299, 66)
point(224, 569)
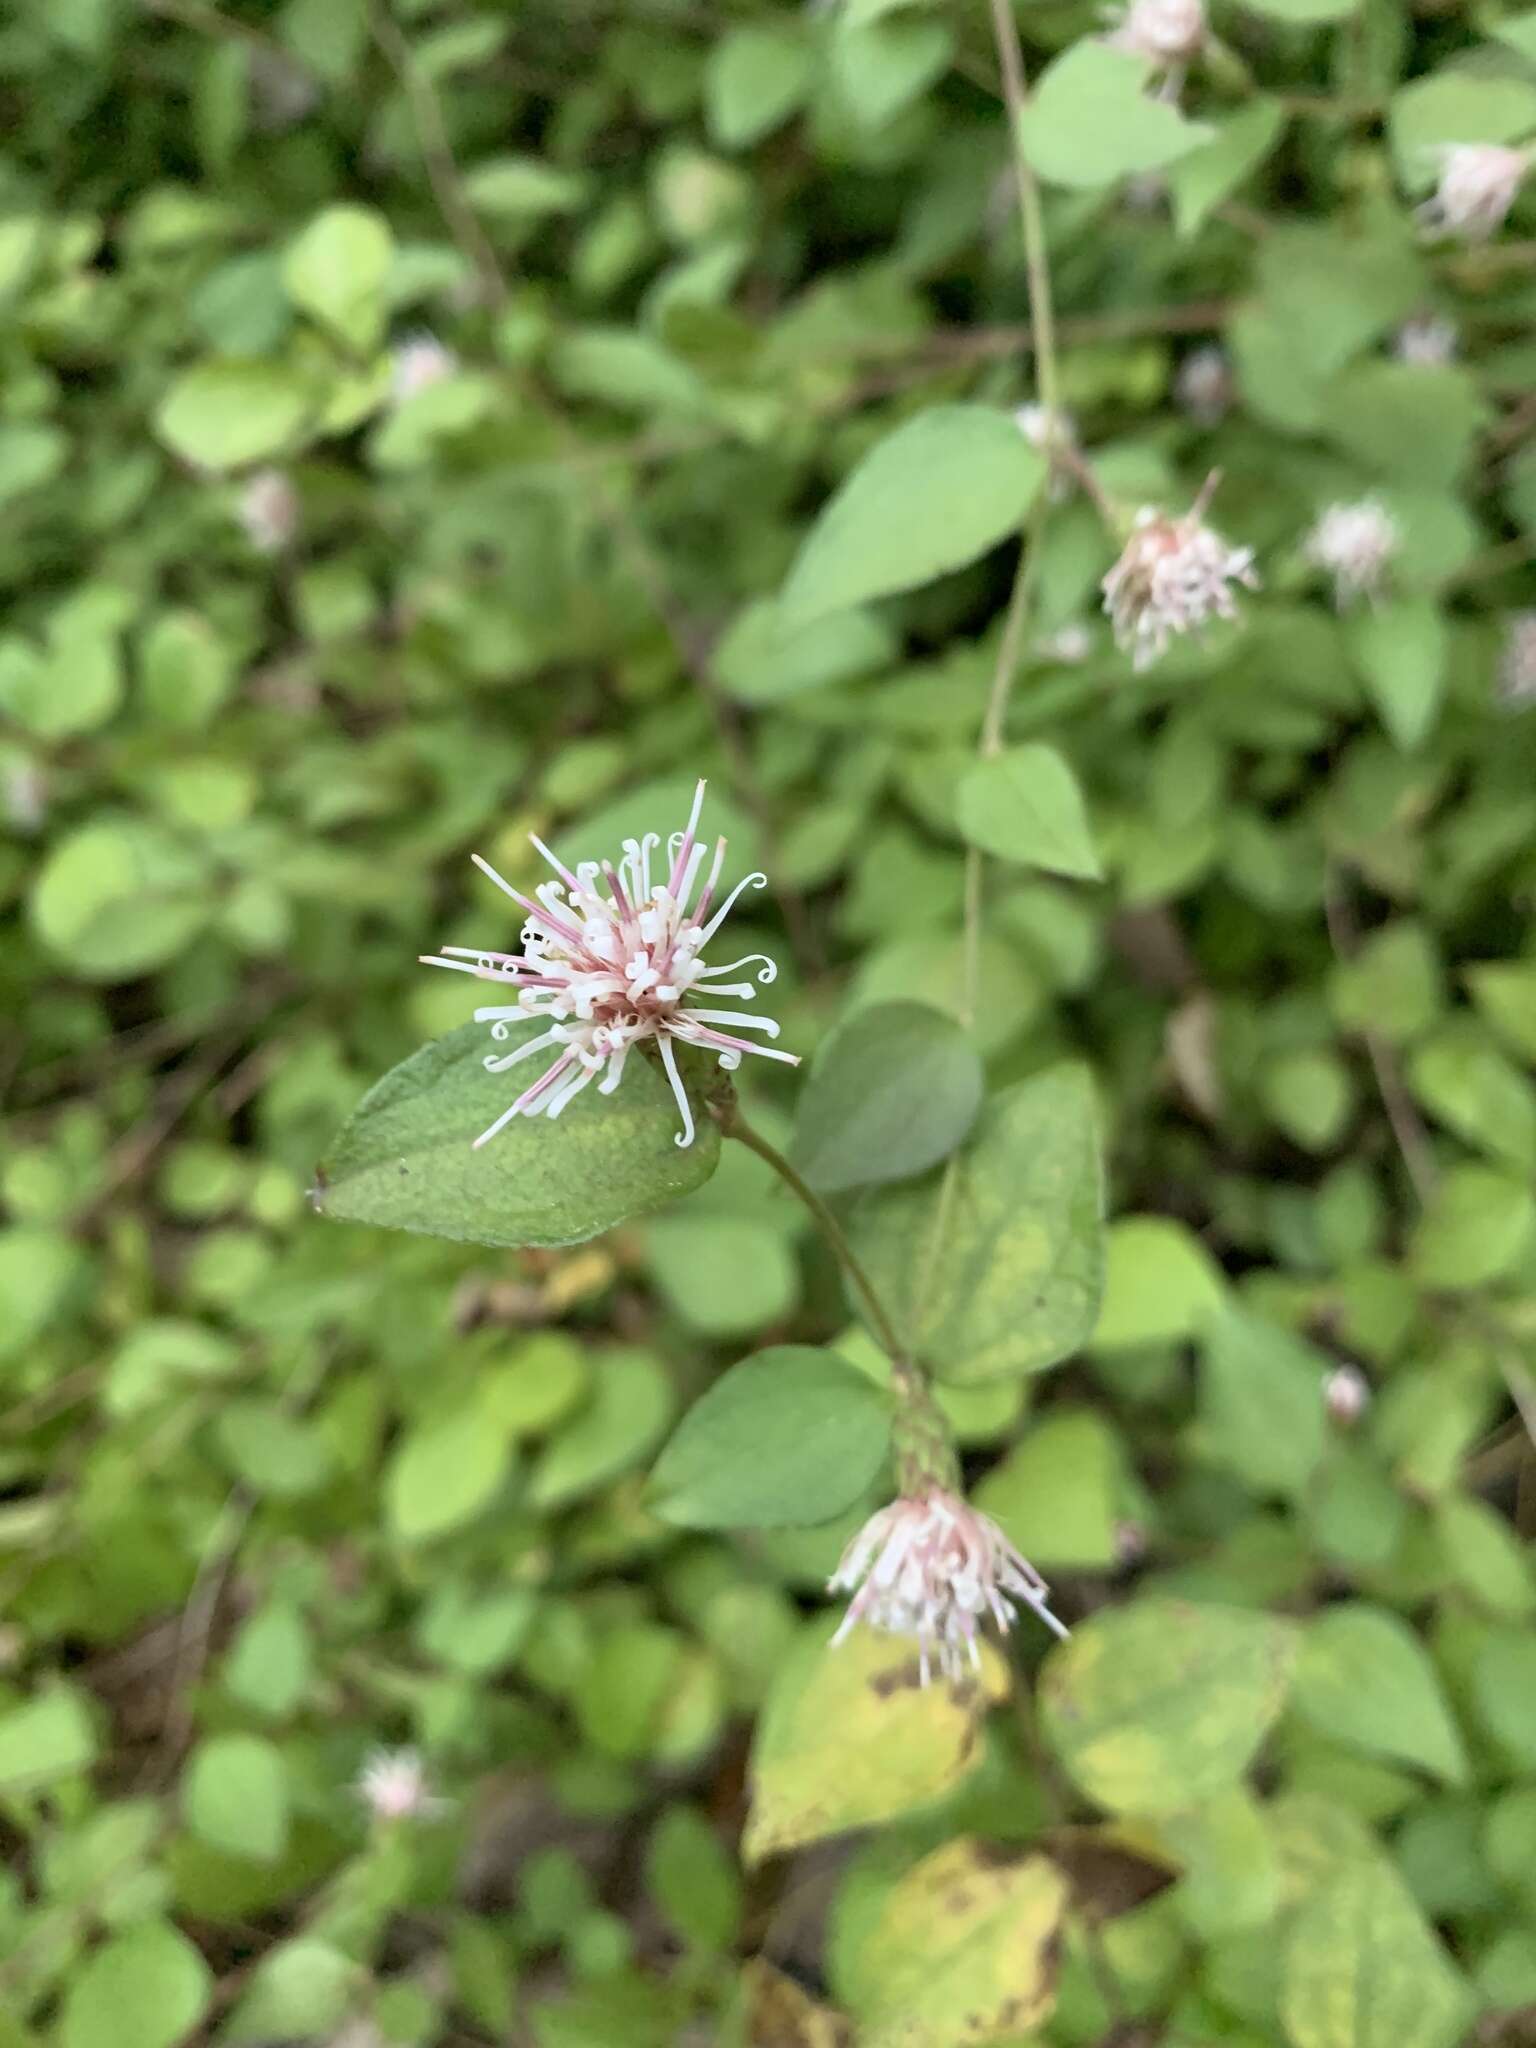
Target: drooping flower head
point(268, 510)
point(1172, 577)
point(612, 956)
point(1478, 183)
point(393, 1785)
point(417, 363)
point(1354, 544)
point(1517, 666)
point(1427, 340)
point(934, 1568)
point(1165, 32)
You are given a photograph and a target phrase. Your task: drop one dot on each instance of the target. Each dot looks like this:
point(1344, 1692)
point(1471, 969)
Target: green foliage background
point(275, 1490)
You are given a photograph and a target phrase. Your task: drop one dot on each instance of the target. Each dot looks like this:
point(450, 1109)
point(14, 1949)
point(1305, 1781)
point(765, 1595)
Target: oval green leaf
point(789, 1437)
point(1025, 805)
point(1001, 1271)
point(931, 497)
point(406, 1159)
point(894, 1090)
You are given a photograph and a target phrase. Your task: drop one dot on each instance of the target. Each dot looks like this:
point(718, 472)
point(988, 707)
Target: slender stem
point(1042, 320)
point(734, 1125)
point(1010, 57)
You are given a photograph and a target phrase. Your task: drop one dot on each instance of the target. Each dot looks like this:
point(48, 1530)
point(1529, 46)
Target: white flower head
point(393, 1785)
point(1478, 183)
point(1346, 1394)
point(1517, 666)
point(1167, 33)
point(1428, 341)
point(268, 510)
point(612, 956)
point(934, 1569)
point(417, 363)
point(1205, 387)
point(1173, 576)
point(1354, 544)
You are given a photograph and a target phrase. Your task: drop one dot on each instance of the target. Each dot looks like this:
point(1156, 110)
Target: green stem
point(734, 1125)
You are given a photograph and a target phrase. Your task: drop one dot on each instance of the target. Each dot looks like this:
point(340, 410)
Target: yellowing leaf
point(1361, 1970)
point(850, 1736)
point(1156, 1707)
point(965, 1949)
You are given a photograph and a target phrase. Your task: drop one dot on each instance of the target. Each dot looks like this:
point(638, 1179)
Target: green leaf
point(993, 1264)
point(932, 496)
point(1057, 1493)
point(1399, 646)
point(232, 411)
point(1158, 1706)
point(1025, 805)
point(756, 77)
point(115, 900)
point(894, 1090)
point(1160, 1284)
point(1261, 1403)
point(1361, 1970)
point(964, 1949)
point(788, 1437)
point(525, 188)
point(47, 1737)
point(1466, 1083)
point(406, 1158)
point(447, 1471)
point(1364, 1680)
point(299, 1991)
point(1505, 993)
point(1200, 181)
point(29, 455)
point(1091, 120)
point(1412, 424)
point(235, 1796)
point(1479, 1225)
point(694, 1879)
point(850, 1737)
point(880, 67)
point(725, 1275)
point(144, 1988)
point(758, 662)
point(336, 272)
point(1305, 13)
point(629, 1407)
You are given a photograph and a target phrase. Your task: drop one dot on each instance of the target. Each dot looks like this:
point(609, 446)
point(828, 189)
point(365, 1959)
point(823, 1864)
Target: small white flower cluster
point(612, 957)
point(1354, 544)
point(393, 1785)
point(1478, 183)
point(1167, 33)
point(268, 510)
point(934, 1569)
point(1173, 576)
point(417, 363)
